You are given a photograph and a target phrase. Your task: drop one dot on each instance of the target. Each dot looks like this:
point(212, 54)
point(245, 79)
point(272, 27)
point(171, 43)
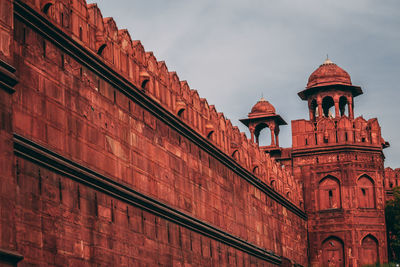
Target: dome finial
point(262, 97)
point(327, 60)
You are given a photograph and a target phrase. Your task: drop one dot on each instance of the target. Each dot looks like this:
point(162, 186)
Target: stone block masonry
point(109, 159)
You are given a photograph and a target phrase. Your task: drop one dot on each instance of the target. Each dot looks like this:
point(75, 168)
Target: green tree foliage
point(392, 212)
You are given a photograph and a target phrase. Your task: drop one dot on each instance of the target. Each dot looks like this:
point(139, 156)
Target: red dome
point(263, 107)
point(328, 74)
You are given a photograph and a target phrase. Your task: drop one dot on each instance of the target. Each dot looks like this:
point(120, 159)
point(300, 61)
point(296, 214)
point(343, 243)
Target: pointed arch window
point(365, 192)
point(370, 251)
point(333, 252)
point(329, 193)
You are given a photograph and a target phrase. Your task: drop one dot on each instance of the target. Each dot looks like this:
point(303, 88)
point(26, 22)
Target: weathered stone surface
point(80, 112)
point(339, 160)
point(107, 158)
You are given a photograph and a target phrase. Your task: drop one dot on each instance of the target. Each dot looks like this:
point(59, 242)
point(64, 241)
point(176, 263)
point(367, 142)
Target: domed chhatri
point(263, 115)
point(328, 74)
point(262, 107)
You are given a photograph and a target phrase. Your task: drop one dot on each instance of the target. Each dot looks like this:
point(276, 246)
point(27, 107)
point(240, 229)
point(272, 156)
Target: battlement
point(325, 131)
point(392, 178)
point(101, 36)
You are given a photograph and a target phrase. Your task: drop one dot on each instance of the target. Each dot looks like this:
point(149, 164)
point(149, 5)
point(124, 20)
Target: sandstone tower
point(107, 158)
point(339, 161)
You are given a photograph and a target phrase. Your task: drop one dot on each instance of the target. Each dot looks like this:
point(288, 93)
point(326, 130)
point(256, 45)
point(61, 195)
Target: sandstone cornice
point(338, 148)
point(7, 77)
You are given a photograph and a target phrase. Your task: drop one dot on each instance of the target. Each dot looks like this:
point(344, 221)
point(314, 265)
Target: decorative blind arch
point(329, 193)
point(365, 192)
point(333, 252)
point(369, 251)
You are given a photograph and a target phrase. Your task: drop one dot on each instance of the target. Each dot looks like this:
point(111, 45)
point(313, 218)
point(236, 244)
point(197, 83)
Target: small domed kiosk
point(263, 115)
point(329, 91)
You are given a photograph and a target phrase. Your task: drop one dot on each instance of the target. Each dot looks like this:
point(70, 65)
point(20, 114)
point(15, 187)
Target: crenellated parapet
point(327, 131)
point(101, 36)
point(391, 180)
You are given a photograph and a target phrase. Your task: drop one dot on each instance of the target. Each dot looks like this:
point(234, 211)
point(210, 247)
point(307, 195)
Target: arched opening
point(256, 170)
point(329, 193)
point(235, 155)
point(101, 49)
point(333, 252)
point(145, 84)
point(46, 7)
point(313, 109)
point(210, 135)
point(343, 104)
point(264, 136)
point(273, 184)
point(369, 251)
point(328, 106)
point(365, 192)
point(180, 112)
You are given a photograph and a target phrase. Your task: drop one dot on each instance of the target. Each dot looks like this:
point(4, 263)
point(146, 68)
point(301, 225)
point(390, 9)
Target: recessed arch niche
point(329, 193)
point(333, 252)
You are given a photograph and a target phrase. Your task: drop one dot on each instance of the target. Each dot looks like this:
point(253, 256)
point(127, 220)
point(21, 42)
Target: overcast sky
point(233, 51)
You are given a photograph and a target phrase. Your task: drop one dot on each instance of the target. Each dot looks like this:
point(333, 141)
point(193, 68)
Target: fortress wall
point(60, 222)
point(86, 25)
point(391, 180)
point(73, 112)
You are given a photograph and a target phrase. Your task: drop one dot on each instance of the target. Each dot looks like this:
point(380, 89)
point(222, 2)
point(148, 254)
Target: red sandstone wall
point(325, 132)
point(87, 26)
point(7, 81)
point(347, 216)
point(65, 107)
point(391, 180)
point(55, 225)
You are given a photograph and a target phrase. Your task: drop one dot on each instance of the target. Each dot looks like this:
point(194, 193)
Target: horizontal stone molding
point(61, 39)
point(337, 148)
point(10, 256)
point(7, 77)
point(44, 157)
